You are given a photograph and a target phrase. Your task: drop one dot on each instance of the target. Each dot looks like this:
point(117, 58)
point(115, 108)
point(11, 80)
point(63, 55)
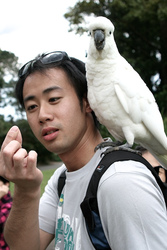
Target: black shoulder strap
point(61, 182)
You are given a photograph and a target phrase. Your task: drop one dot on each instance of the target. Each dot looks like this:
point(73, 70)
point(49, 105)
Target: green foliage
point(5, 126)
point(8, 63)
point(76, 15)
point(104, 132)
point(140, 34)
point(165, 124)
point(46, 176)
point(8, 72)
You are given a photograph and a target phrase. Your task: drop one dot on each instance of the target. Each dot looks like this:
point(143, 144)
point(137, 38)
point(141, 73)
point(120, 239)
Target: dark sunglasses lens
point(53, 57)
point(24, 69)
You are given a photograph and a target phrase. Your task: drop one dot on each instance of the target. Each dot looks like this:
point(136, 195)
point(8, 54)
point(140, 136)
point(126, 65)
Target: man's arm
point(45, 239)
point(22, 228)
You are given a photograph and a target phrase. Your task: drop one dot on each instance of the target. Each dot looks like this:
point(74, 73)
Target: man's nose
point(45, 114)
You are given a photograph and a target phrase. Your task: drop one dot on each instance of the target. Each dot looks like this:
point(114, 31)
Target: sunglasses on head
point(52, 57)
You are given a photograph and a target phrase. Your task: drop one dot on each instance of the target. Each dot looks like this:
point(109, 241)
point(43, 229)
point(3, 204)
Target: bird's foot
point(108, 144)
point(124, 147)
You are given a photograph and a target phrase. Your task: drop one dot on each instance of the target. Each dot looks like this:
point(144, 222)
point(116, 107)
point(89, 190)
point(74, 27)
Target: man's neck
point(82, 154)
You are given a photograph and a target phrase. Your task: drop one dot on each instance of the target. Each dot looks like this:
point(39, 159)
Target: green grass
point(46, 176)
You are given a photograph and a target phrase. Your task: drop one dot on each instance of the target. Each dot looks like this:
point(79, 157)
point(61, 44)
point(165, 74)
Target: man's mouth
point(49, 133)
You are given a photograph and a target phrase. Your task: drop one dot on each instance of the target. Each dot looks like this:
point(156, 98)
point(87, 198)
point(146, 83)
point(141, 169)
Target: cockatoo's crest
point(102, 23)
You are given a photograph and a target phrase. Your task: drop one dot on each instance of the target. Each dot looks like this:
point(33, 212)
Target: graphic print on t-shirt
point(64, 236)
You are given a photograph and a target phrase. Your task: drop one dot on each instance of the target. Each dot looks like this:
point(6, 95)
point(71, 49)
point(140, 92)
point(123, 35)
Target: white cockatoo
point(119, 97)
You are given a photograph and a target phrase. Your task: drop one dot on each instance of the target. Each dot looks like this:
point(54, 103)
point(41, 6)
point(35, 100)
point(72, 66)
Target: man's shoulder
point(126, 170)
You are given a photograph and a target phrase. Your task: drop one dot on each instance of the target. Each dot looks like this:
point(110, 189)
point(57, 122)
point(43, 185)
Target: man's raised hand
point(18, 165)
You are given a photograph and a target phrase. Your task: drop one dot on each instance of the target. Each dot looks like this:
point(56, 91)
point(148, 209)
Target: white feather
point(120, 98)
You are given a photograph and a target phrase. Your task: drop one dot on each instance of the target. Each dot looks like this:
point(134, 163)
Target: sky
point(30, 27)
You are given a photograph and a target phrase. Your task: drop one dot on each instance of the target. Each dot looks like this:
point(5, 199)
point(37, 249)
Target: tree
point(8, 63)
point(8, 74)
point(140, 34)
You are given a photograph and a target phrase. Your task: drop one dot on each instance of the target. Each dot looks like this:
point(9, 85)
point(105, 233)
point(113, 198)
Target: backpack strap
point(61, 182)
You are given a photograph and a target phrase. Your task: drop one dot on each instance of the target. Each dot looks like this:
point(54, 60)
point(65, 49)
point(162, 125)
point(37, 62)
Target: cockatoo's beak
point(99, 38)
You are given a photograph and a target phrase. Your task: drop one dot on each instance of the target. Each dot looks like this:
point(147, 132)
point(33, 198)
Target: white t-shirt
point(131, 205)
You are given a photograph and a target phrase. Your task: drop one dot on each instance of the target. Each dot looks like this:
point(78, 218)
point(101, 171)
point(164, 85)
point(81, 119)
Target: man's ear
point(87, 106)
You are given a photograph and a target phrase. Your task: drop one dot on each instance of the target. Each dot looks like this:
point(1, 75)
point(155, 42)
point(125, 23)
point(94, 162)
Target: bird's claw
point(121, 147)
point(115, 146)
point(108, 144)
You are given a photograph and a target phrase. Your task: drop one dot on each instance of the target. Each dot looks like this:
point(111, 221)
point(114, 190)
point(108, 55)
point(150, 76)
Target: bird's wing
point(138, 101)
point(130, 89)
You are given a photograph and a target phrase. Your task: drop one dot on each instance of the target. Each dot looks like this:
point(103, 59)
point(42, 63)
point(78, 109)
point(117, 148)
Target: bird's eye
point(89, 33)
point(110, 32)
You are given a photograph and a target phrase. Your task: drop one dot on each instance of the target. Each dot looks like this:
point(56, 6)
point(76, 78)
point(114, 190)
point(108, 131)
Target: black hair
point(75, 70)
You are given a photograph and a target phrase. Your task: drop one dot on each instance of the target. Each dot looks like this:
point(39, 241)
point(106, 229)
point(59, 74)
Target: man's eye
point(30, 108)
point(54, 99)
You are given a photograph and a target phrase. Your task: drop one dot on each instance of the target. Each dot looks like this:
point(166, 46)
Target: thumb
point(18, 134)
point(13, 134)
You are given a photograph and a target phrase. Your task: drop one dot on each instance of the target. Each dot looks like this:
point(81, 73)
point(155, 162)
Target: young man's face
point(53, 111)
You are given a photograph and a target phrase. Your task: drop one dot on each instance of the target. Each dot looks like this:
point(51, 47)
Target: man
point(53, 89)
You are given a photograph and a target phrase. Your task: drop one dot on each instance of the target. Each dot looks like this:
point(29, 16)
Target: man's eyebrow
point(32, 97)
point(29, 98)
point(51, 89)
